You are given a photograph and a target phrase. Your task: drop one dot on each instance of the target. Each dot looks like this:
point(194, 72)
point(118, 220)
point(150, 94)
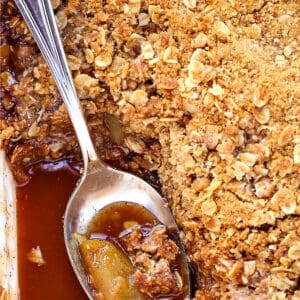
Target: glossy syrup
point(111, 219)
point(40, 208)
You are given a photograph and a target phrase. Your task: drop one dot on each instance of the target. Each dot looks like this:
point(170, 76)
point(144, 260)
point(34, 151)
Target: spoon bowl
point(99, 185)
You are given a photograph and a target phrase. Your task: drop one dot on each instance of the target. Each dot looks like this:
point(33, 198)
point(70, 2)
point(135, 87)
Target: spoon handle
point(39, 17)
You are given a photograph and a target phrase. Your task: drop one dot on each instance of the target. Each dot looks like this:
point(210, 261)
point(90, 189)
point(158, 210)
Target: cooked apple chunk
point(110, 271)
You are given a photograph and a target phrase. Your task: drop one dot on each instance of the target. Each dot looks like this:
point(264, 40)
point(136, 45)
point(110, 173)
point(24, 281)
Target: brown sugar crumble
point(206, 94)
point(153, 254)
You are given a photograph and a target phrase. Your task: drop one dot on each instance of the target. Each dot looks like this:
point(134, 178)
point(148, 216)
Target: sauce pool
point(40, 207)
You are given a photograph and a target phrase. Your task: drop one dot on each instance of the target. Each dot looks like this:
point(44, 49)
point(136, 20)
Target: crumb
point(35, 256)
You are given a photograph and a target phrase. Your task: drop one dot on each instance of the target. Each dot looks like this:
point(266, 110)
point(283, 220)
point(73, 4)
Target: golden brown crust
point(209, 93)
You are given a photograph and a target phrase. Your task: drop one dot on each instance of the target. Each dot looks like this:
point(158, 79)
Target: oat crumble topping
point(203, 93)
point(154, 256)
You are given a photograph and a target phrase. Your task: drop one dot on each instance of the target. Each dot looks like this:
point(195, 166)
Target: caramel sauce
point(111, 219)
point(40, 208)
point(41, 204)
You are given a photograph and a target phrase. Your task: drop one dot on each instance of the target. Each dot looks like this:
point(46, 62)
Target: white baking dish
point(8, 234)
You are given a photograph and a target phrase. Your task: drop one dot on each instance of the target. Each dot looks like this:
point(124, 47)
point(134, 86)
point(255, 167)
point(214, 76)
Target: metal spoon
point(99, 185)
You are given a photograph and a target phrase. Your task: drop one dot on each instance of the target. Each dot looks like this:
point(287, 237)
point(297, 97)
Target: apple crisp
point(202, 94)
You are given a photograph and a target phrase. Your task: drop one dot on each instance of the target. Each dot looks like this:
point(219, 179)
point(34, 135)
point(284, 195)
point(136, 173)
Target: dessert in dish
point(199, 96)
